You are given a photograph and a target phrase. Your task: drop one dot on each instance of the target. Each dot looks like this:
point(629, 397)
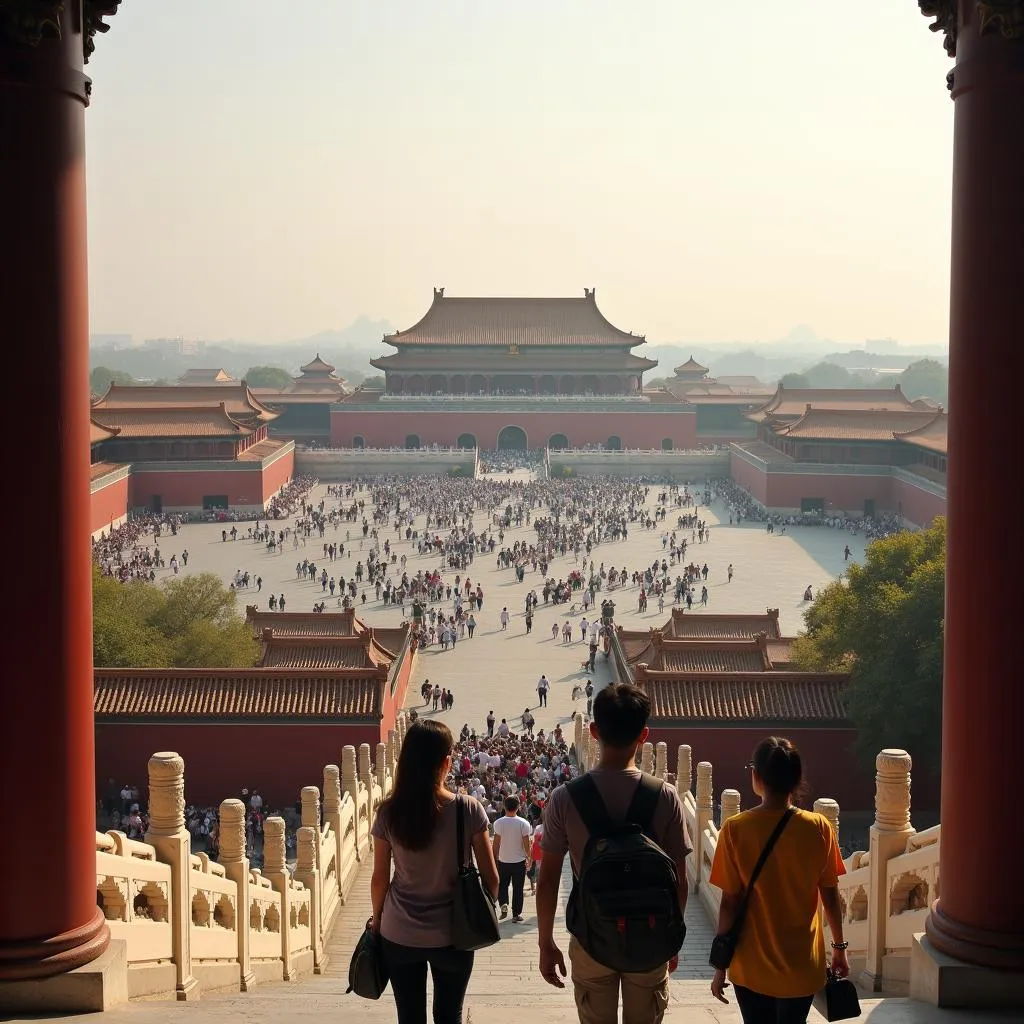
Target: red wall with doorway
point(385, 429)
point(842, 492)
point(108, 504)
point(221, 759)
point(185, 489)
point(915, 504)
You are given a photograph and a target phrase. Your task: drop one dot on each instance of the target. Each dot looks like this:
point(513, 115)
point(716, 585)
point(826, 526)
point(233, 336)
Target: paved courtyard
point(499, 669)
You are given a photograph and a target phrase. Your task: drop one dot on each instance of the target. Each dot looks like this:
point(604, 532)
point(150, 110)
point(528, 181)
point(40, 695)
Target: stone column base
point(943, 981)
point(99, 985)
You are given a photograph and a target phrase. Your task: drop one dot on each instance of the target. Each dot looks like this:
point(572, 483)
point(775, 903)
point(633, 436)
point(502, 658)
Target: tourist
point(512, 852)
point(620, 724)
point(415, 833)
point(542, 691)
point(779, 962)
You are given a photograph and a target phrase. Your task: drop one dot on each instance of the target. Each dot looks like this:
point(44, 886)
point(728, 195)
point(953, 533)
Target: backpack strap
point(589, 805)
point(644, 803)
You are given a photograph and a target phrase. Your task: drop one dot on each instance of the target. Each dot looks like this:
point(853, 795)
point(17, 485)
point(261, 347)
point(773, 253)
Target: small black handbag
point(838, 999)
point(367, 972)
point(724, 946)
point(474, 919)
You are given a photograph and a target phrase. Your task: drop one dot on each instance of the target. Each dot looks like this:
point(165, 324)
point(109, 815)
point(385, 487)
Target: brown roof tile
point(207, 375)
point(308, 624)
point(691, 366)
point(168, 421)
point(98, 432)
point(101, 469)
point(261, 450)
point(234, 693)
point(933, 435)
point(779, 697)
point(241, 404)
point(336, 652)
point(684, 657)
point(704, 626)
point(854, 424)
point(792, 403)
point(513, 321)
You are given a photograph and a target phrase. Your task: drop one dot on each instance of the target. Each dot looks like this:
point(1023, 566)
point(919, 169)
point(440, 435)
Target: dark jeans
point(407, 966)
point(516, 874)
point(759, 1009)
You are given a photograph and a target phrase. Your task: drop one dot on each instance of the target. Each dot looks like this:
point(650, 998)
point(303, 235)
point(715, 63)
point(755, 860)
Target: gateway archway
point(466, 441)
point(512, 438)
point(558, 441)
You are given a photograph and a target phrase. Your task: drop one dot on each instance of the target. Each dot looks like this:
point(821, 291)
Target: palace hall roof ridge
point(317, 365)
point(691, 366)
point(239, 400)
point(513, 321)
point(933, 435)
point(172, 421)
point(98, 432)
point(792, 403)
point(855, 424)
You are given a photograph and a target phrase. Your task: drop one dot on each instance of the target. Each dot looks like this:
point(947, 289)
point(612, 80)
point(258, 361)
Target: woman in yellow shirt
point(779, 961)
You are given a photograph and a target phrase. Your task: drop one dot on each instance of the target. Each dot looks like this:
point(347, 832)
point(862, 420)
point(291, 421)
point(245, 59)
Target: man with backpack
point(627, 843)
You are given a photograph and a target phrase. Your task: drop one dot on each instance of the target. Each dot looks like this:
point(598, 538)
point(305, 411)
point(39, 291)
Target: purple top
point(418, 906)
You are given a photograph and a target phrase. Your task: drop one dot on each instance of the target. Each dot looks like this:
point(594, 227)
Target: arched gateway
point(512, 437)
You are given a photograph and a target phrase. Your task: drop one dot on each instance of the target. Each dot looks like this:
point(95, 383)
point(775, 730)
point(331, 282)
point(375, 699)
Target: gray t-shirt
point(564, 830)
point(418, 906)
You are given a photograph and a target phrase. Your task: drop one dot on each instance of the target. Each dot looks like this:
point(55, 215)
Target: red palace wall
point(750, 478)
point(277, 474)
point(108, 505)
point(185, 488)
point(916, 505)
point(385, 429)
point(841, 492)
point(830, 764)
point(222, 759)
point(394, 701)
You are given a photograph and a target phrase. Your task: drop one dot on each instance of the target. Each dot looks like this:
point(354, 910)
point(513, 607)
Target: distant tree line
point(927, 378)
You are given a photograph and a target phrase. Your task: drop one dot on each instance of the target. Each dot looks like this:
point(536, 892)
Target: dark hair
point(621, 711)
point(414, 807)
point(511, 803)
point(778, 765)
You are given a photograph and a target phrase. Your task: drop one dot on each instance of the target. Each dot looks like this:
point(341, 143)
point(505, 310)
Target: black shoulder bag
point(474, 920)
point(367, 972)
point(724, 946)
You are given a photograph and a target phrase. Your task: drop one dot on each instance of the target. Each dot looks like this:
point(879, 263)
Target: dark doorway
point(667, 445)
point(215, 501)
point(869, 508)
point(512, 437)
point(814, 506)
point(615, 443)
point(359, 441)
point(466, 441)
point(558, 441)
point(156, 504)
point(412, 440)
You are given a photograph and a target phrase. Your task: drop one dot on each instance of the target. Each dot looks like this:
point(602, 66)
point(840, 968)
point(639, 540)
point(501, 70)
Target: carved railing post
point(661, 760)
point(310, 803)
point(593, 751)
point(350, 785)
point(306, 872)
point(366, 779)
point(381, 768)
point(888, 839)
point(276, 871)
point(730, 804)
point(830, 809)
point(392, 752)
point(236, 867)
point(705, 814)
point(684, 769)
point(173, 845)
point(577, 741)
point(647, 759)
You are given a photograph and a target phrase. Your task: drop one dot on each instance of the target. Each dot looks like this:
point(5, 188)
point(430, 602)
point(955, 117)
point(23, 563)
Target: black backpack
point(624, 905)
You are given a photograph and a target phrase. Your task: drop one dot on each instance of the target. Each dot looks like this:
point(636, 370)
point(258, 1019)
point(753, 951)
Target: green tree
point(376, 381)
point(794, 380)
point(927, 378)
point(102, 377)
point(188, 622)
point(828, 375)
point(268, 377)
point(884, 624)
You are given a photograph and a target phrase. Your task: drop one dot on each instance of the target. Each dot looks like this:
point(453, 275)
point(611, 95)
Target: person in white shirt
point(512, 852)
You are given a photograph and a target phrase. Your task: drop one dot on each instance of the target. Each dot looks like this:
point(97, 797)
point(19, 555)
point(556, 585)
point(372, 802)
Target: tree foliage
point(375, 381)
point(794, 380)
point(927, 378)
point(884, 624)
point(268, 377)
point(102, 377)
point(188, 622)
point(829, 375)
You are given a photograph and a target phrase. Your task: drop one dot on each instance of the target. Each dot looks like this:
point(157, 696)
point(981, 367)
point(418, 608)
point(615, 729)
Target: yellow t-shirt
point(781, 951)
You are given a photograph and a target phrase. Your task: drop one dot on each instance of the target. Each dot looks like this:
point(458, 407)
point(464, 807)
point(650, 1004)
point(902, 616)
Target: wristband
point(840, 945)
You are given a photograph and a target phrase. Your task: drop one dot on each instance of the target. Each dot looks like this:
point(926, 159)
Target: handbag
point(367, 972)
point(838, 999)
point(724, 946)
point(474, 918)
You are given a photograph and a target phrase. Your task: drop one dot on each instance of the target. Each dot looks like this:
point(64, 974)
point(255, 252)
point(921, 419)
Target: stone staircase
point(505, 987)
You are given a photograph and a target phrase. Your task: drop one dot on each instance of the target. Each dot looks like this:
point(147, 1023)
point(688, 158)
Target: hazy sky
point(718, 171)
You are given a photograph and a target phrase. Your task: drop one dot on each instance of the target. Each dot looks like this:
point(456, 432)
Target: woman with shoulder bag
point(416, 830)
point(777, 947)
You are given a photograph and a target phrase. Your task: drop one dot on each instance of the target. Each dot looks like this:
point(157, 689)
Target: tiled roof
point(854, 424)
point(317, 365)
point(304, 623)
point(513, 321)
point(933, 435)
point(691, 366)
point(216, 375)
point(686, 656)
point(233, 693)
point(775, 697)
point(764, 451)
point(500, 360)
point(167, 421)
point(261, 449)
point(792, 403)
point(704, 626)
point(101, 469)
point(924, 402)
point(780, 652)
point(338, 652)
point(98, 432)
point(239, 401)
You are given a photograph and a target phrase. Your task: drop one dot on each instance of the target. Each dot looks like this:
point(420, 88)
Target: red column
point(977, 919)
point(49, 920)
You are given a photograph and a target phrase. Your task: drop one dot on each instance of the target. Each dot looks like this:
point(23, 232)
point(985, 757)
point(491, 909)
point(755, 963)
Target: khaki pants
point(644, 996)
